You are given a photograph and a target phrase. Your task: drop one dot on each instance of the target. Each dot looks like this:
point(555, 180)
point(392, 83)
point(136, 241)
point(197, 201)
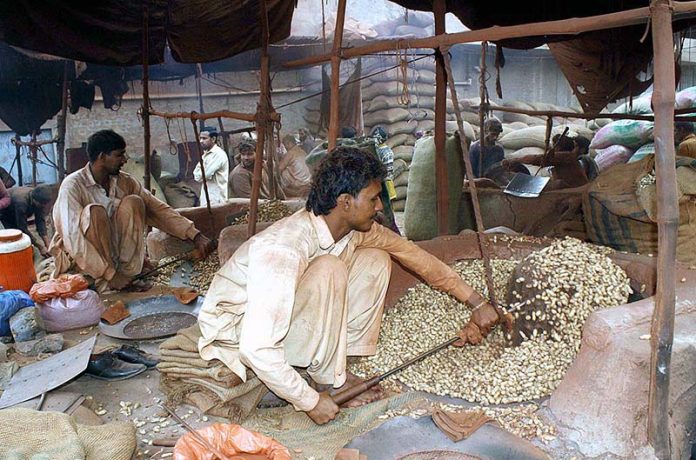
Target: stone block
point(3, 352)
point(27, 324)
point(602, 403)
point(52, 343)
point(7, 370)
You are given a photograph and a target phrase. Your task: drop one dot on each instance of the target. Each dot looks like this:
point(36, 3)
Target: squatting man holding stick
point(100, 218)
point(309, 291)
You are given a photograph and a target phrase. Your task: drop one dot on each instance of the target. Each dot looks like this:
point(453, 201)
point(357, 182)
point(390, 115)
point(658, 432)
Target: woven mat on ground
point(29, 434)
point(298, 432)
point(213, 398)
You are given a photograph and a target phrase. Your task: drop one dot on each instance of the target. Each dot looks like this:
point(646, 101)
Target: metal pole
point(145, 110)
point(662, 331)
point(334, 107)
point(441, 179)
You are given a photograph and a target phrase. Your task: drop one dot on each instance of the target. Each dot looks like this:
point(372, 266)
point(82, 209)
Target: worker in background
point(567, 171)
point(217, 168)
point(484, 156)
point(685, 139)
point(309, 291)
point(242, 174)
point(306, 140)
point(295, 178)
point(4, 201)
point(25, 203)
point(100, 217)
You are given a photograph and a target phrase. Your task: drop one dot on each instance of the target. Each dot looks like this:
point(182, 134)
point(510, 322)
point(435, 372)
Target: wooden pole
point(591, 115)
point(207, 116)
point(480, 237)
point(262, 118)
point(62, 124)
point(33, 157)
point(482, 108)
point(336, 75)
point(196, 133)
point(572, 26)
point(199, 92)
point(145, 110)
point(441, 185)
point(662, 331)
point(223, 135)
point(18, 159)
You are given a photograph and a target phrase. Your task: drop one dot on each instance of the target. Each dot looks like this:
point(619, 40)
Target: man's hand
point(119, 281)
point(485, 318)
point(44, 252)
point(204, 246)
point(325, 410)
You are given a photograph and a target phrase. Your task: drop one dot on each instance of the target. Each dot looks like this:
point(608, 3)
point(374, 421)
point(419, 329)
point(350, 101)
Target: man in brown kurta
point(685, 138)
point(101, 214)
point(242, 174)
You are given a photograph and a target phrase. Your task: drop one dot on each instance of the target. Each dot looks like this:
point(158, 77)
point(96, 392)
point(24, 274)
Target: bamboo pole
point(573, 26)
point(336, 75)
point(33, 157)
point(62, 123)
point(441, 185)
point(199, 93)
point(261, 118)
point(593, 115)
point(18, 158)
point(223, 135)
point(196, 134)
point(482, 109)
point(251, 117)
point(662, 331)
point(480, 237)
point(145, 111)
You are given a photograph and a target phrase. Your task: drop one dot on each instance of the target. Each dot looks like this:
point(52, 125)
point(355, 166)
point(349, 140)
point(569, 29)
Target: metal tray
point(154, 318)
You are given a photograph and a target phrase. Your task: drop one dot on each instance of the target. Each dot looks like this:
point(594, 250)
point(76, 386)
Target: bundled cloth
point(209, 385)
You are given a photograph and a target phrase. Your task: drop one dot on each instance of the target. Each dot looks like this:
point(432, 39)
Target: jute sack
point(612, 155)
point(640, 106)
point(397, 140)
point(380, 88)
point(401, 192)
point(399, 205)
point(469, 133)
point(386, 116)
point(621, 213)
point(401, 179)
point(425, 125)
point(534, 136)
point(403, 152)
point(380, 103)
point(400, 166)
point(524, 152)
point(403, 127)
point(631, 133)
point(420, 212)
point(30, 434)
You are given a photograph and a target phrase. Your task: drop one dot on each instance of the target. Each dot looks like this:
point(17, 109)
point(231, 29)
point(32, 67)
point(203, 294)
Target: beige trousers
point(118, 242)
point(337, 313)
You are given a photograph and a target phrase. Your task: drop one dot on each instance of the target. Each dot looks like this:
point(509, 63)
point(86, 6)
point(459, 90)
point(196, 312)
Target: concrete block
point(602, 403)
point(52, 343)
point(27, 324)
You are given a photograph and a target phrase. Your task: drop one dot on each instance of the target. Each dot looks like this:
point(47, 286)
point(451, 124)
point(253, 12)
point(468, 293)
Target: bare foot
point(373, 394)
point(139, 286)
point(147, 266)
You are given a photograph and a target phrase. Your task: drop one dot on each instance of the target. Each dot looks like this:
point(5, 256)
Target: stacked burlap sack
point(209, 385)
point(627, 141)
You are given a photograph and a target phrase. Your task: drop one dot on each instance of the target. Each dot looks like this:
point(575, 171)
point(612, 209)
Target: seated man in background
point(217, 168)
point(486, 152)
point(101, 214)
point(295, 178)
point(309, 290)
point(25, 203)
point(685, 139)
point(242, 174)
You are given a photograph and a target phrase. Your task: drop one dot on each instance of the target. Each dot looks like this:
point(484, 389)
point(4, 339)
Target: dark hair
point(565, 144)
point(212, 132)
point(348, 132)
point(684, 126)
point(42, 194)
point(343, 170)
point(583, 144)
point(104, 141)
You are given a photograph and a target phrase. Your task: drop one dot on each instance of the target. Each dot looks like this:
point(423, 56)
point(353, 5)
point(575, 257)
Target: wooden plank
point(336, 75)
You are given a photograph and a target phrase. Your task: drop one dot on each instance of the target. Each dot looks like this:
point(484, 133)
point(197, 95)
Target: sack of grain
point(403, 127)
point(644, 151)
point(420, 217)
point(685, 98)
point(397, 140)
point(401, 179)
point(400, 167)
point(401, 191)
point(640, 106)
point(403, 152)
point(399, 205)
point(523, 152)
point(630, 133)
point(534, 136)
point(380, 88)
point(469, 133)
point(612, 155)
point(386, 116)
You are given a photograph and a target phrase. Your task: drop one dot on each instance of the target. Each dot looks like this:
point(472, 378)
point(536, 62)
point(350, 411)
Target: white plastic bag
point(81, 310)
